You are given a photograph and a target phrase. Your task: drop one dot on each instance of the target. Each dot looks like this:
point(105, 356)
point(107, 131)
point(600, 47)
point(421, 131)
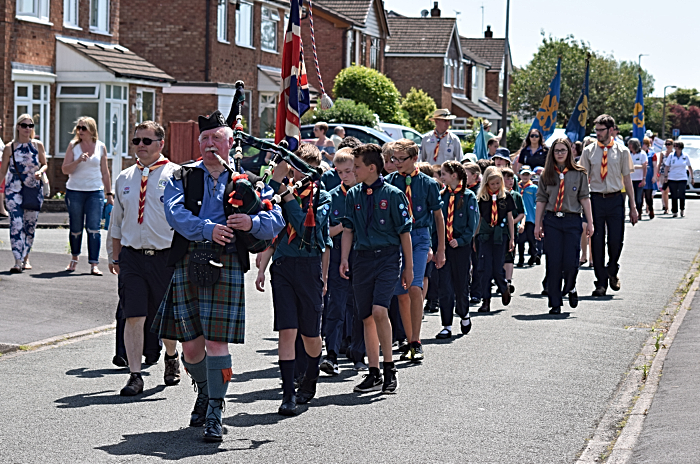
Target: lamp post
point(504, 108)
point(663, 117)
point(640, 59)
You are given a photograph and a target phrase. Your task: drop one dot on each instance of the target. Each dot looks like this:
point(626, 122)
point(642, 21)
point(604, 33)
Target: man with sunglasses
point(141, 238)
point(441, 145)
point(609, 165)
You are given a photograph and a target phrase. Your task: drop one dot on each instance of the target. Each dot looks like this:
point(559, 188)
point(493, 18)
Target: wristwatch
point(109, 194)
point(115, 262)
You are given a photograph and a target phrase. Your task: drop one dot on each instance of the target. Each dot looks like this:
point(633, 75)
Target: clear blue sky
point(623, 28)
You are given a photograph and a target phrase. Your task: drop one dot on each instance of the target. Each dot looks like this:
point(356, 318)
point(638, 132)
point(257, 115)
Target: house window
point(500, 82)
point(70, 13)
point(461, 76)
point(447, 73)
point(115, 117)
point(145, 105)
point(244, 24)
point(352, 44)
point(475, 77)
point(374, 53)
point(268, 29)
point(68, 114)
point(99, 16)
point(33, 99)
point(268, 113)
point(363, 51)
point(455, 77)
point(222, 21)
point(36, 8)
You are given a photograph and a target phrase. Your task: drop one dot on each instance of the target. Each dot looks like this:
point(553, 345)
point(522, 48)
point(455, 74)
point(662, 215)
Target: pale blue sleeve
point(267, 224)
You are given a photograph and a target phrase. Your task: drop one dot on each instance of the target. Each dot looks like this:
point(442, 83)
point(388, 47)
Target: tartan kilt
point(217, 312)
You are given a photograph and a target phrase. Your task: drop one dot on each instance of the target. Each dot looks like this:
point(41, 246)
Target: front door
point(114, 144)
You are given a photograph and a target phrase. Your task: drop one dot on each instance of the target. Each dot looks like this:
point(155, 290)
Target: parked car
point(691, 148)
point(363, 134)
point(397, 131)
point(461, 133)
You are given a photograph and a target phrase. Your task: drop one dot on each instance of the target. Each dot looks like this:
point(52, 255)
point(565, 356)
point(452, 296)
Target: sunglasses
point(146, 141)
point(669, 144)
point(81, 128)
point(24, 125)
point(561, 152)
point(534, 136)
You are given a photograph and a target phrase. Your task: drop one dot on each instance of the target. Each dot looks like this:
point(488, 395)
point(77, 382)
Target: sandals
point(96, 272)
point(71, 266)
point(25, 265)
point(16, 269)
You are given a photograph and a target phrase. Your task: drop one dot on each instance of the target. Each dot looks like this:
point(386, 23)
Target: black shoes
point(199, 413)
point(213, 430)
point(391, 383)
point(466, 325)
point(444, 334)
point(330, 366)
point(544, 292)
point(172, 371)
point(485, 307)
point(473, 301)
point(431, 306)
point(119, 361)
point(521, 262)
point(134, 386)
point(152, 359)
point(573, 298)
point(289, 406)
point(371, 382)
point(532, 261)
point(307, 390)
point(505, 297)
point(599, 291)
point(555, 310)
point(511, 287)
point(417, 354)
point(538, 260)
point(614, 283)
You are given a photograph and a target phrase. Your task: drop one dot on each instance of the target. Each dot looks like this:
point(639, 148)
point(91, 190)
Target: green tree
point(342, 112)
point(517, 131)
point(419, 106)
point(374, 89)
point(612, 84)
point(684, 97)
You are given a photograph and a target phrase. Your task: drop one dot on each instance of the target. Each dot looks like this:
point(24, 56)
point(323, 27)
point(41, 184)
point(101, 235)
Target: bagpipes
point(241, 196)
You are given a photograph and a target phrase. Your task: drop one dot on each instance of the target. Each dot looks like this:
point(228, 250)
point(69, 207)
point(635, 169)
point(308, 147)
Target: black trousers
point(528, 236)
point(491, 258)
point(608, 221)
point(454, 283)
point(475, 279)
point(649, 199)
point(677, 188)
point(563, 248)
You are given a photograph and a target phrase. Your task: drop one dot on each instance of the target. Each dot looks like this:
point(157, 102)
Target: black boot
point(307, 390)
point(213, 430)
point(289, 405)
point(485, 306)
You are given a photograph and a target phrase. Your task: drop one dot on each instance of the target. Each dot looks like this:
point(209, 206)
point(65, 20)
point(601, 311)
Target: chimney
point(488, 33)
point(435, 12)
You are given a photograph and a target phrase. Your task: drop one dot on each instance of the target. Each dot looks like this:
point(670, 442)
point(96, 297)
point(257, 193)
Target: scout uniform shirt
point(619, 165)
point(575, 189)
point(465, 219)
point(529, 193)
point(154, 233)
point(450, 148)
point(295, 216)
point(330, 179)
point(504, 205)
point(337, 211)
point(388, 219)
point(425, 196)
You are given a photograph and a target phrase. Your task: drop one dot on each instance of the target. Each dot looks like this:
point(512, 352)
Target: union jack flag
point(294, 93)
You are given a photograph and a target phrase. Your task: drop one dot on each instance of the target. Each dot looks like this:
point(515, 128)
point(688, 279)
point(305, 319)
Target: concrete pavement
point(522, 387)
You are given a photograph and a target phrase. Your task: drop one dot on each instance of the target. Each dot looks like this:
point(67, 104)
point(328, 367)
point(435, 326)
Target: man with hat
point(441, 145)
point(488, 134)
point(208, 315)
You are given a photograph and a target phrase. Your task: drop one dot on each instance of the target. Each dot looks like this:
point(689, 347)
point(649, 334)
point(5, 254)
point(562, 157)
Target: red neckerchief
point(145, 171)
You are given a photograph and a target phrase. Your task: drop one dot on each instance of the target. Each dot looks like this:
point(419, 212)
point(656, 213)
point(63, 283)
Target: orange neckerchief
point(560, 195)
point(526, 185)
point(494, 207)
point(299, 198)
point(145, 171)
point(437, 146)
point(451, 211)
point(604, 160)
point(408, 188)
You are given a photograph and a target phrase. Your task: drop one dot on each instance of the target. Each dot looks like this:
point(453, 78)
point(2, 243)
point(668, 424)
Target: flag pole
point(504, 109)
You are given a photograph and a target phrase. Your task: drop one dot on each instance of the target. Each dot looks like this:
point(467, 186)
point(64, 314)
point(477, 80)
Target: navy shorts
point(143, 281)
point(297, 294)
point(374, 278)
point(429, 268)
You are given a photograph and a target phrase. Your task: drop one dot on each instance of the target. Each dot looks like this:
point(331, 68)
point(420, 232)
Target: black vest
point(193, 184)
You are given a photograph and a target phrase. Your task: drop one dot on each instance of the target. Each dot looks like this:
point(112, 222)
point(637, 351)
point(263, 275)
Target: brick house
point(62, 60)
point(207, 46)
point(347, 33)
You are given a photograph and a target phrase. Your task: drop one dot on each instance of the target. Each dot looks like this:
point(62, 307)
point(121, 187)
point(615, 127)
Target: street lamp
point(504, 107)
point(663, 118)
point(640, 59)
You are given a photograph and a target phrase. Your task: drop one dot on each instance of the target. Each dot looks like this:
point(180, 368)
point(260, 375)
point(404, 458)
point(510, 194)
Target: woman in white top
point(638, 176)
point(663, 174)
point(676, 167)
point(88, 180)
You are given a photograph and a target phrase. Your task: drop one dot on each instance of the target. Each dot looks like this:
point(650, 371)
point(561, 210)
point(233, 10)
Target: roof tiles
point(488, 49)
point(121, 61)
point(420, 35)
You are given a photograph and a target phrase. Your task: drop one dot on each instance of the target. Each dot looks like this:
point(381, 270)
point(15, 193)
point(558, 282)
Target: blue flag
point(480, 144)
point(638, 128)
point(546, 118)
point(576, 128)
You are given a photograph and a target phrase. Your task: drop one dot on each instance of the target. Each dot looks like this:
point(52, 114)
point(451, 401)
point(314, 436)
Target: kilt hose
point(217, 312)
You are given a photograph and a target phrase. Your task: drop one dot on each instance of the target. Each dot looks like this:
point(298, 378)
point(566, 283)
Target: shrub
point(419, 106)
point(517, 131)
point(342, 112)
point(374, 89)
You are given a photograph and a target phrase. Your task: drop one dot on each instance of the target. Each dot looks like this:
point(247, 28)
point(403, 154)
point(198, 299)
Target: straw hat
point(442, 113)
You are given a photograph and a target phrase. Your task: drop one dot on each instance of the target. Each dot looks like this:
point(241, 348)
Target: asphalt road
point(522, 387)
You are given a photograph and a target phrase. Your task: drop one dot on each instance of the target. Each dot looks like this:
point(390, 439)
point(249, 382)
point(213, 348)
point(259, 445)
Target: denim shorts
point(297, 294)
point(374, 278)
point(420, 241)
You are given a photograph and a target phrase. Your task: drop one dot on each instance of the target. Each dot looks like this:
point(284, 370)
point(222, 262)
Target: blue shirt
point(266, 224)
point(425, 196)
point(295, 215)
point(330, 179)
point(529, 195)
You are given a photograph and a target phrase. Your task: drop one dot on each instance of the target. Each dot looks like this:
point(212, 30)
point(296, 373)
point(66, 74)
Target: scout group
point(353, 254)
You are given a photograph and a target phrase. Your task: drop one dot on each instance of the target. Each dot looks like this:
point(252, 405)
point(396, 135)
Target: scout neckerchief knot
point(604, 160)
point(310, 221)
point(145, 171)
point(560, 195)
point(409, 178)
point(525, 185)
point(437, 146)
point(369, 190)
point(494, 207)
point(451, 211)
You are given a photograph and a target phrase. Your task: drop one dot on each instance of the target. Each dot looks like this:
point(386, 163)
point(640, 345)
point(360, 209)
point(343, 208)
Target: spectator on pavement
point(652, 176)
point(441, 145)
point(88, 184)
point(677, 165)
point(326, 145)
point(141, 240)
point(3, 211)
point(338, 136)
point(532, 153)
point(609, 166)
point(489, 135)
point(663, 173)
point(23, 163)
point(638, 176)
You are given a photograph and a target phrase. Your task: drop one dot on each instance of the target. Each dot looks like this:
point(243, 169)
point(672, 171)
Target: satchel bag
point(32, 197)
point(204, 268)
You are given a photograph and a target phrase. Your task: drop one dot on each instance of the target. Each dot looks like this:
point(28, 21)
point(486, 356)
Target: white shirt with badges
point(676, 166)
point(154, 233)
point(638, 159)
point(450, 148)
